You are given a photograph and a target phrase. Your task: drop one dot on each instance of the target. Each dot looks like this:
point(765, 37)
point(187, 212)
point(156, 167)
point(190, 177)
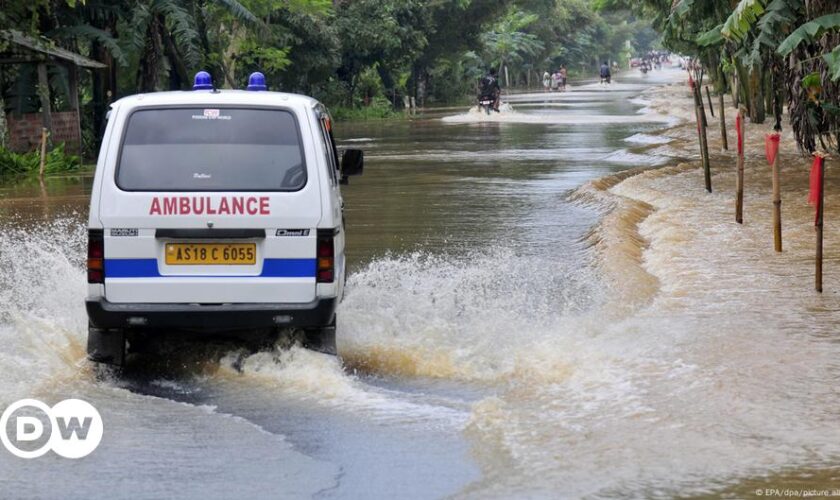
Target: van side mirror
point(352, 162)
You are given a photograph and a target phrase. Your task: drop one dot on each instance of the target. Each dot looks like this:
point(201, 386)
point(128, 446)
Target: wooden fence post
point(818, 275)
point(44, 135)
point(709, 98)
point(739, 183)
point(777, 206)
point(701, 133)
point(723, 138)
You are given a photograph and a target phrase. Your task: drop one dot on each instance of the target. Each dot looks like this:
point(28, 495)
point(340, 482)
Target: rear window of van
point(211, 149)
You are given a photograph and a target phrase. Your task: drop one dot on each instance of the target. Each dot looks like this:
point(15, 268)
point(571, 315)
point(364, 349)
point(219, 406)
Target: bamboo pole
point(701, 132)
point(44, 135)
point(777, 206)
point(709, 98)
point(739, 185)
point(818, 275)
point(724, 140)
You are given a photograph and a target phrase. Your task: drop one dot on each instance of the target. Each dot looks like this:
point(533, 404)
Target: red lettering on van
point(224, 209)
point(198, 205)
point(210, 209)
point(233, 205)
point(170, 205)
point(252, 206)
point(155, 208)
point(238, 205)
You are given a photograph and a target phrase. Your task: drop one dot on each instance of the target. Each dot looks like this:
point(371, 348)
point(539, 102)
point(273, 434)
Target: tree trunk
point(100, 82)
point(756, 99)
point(179, 78)
point(3, 124)
point(150, 59)
point(742, 85)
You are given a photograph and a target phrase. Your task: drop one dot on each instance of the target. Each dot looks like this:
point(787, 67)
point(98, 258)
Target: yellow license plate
point(211, 254)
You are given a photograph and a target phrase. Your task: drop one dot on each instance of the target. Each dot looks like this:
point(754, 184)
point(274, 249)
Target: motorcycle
point(486, 103)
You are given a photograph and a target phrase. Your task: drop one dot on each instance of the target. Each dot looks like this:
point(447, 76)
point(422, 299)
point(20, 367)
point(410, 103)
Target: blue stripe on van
point(148, 268)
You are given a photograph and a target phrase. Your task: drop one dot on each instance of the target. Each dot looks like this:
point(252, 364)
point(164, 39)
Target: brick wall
point(24, 131)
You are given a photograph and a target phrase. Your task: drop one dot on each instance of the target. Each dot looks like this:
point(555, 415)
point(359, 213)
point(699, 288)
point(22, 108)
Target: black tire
point(106, 346)
point(321, 339)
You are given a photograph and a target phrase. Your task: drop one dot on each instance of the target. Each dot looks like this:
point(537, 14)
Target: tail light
point(96, 256)
point(326, 258)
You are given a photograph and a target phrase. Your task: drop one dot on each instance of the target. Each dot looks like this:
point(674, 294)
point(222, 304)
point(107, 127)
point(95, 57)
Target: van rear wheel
point(321, 339)
point(106, 346)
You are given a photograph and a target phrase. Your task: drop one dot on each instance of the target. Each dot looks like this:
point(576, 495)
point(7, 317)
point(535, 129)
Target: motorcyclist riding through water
point(489, 89)
point(606, 77)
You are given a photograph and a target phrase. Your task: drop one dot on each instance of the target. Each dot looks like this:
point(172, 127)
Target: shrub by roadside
point(378, 109)
point(17, 164)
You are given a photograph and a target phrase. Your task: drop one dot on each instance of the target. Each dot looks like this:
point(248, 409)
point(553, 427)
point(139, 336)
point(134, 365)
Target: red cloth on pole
point(690, 82)
point(740, 134)
point(771, 147)
point(816, 185)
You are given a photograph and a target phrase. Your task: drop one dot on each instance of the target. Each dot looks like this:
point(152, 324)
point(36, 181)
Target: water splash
point(42, 318)
point(468, 318)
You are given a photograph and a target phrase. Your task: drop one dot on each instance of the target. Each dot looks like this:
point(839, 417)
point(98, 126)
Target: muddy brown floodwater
point(523, 319)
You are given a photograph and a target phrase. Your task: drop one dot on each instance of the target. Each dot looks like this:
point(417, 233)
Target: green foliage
point(269, 59)
point(364, 55)
point(18, 164)
point(379, 109)
point(239, 11)
point(785, 48)
point(739, 23)
point(93, 34)
point(811, 80)
point(833, 61)
point(808, 32)
point(507, 43)
point(712, 37)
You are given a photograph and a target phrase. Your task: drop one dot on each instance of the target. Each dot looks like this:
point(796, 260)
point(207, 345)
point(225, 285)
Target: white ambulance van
point(216, 213)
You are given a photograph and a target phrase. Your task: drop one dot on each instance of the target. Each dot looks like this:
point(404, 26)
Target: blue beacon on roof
point(203, 81)
point(256, 81)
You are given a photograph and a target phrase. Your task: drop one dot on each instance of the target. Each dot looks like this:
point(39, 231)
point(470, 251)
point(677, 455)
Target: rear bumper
point(214, 318)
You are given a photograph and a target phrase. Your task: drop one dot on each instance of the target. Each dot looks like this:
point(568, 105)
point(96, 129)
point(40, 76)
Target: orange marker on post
point(771, 149)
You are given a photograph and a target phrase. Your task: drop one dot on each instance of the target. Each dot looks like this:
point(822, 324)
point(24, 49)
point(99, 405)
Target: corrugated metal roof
point(45, 46)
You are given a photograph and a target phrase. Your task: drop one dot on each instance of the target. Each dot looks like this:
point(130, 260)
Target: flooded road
point(513, 326)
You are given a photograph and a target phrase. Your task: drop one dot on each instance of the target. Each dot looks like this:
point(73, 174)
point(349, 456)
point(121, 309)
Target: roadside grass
point(372, 112)
point(14, 165)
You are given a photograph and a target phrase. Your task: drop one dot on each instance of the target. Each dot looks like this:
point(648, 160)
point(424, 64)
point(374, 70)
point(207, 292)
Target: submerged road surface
point(483, 349)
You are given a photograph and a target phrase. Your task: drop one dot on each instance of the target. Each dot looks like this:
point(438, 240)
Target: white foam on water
point(641, 101)
point(43, 325)
point(467, 318)
point(543, 153)
point(320, 379)
point(624, 157)
point(558, 118)
point(647, 139)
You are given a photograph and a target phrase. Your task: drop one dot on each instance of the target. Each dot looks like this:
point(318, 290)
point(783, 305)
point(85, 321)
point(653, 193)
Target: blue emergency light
point(256, 81)
point(203, 81)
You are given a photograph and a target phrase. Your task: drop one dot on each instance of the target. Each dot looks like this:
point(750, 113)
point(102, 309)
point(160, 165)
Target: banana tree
point(508, 44)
